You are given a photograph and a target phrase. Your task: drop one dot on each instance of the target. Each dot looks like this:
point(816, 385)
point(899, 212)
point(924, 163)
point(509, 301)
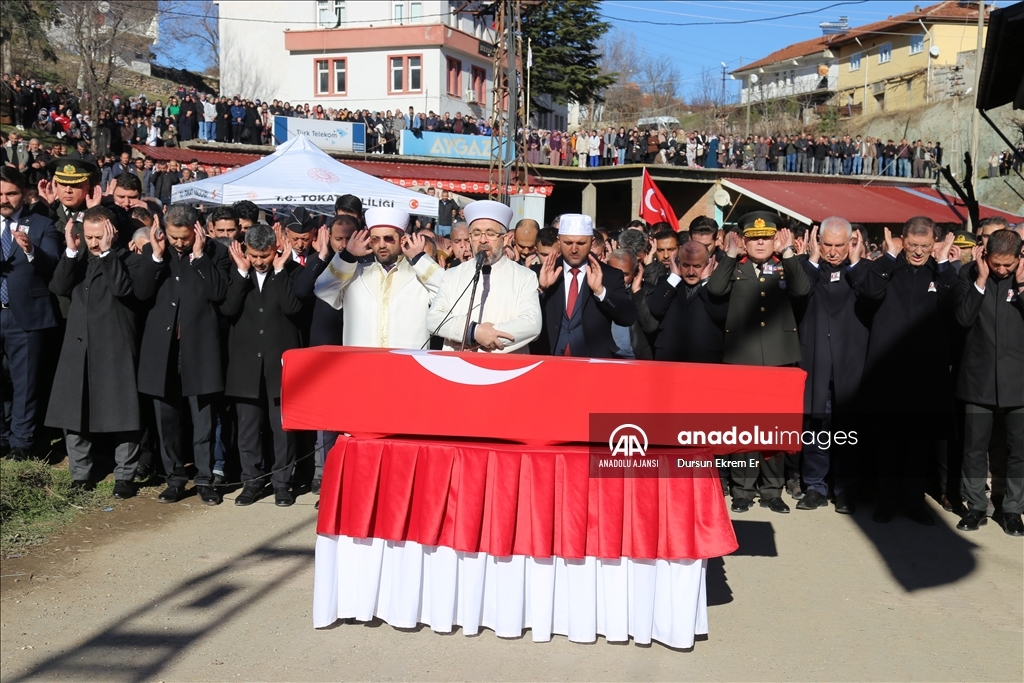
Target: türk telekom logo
point(628, 440)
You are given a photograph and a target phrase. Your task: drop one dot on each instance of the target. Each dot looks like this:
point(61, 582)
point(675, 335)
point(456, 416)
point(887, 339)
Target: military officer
point(760, 327)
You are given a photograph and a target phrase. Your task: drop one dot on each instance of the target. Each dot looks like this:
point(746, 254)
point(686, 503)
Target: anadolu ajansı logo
point(628, 440)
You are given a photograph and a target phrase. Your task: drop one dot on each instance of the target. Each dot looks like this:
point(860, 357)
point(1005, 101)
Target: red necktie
point(302, 259)
point(570, 301)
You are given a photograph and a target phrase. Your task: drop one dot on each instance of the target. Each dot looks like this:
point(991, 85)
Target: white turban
point(383, 217)
point(575, 224)
point(495, 211)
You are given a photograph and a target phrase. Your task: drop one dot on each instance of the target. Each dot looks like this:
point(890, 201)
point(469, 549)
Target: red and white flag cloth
point(655, 207)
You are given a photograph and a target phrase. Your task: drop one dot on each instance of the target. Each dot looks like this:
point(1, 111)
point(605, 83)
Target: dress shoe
point(143, 472)
point(741, 504)
point(884, 514)
point(812, 500)
point(20, 454)
point(794, 489)
point(972, 520)
point(844, 504)
point(775, 504)
point(283, 498)
point(920, 514)
point(172, 494)
point(219, 480)
point(1012, 524)
point(314, 488)
point(123, 490)
point(208, 495)
point(81, 485)
point(249, 494)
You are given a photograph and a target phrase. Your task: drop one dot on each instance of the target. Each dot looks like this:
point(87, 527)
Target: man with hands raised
point(906, 371)
point(760, 327)
point(580, 296)
point(96, 373)
point(262, 312)
point(385, 301)
point(184, 277)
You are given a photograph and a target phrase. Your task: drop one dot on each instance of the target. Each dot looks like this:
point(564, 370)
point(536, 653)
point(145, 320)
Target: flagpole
point(529, 68)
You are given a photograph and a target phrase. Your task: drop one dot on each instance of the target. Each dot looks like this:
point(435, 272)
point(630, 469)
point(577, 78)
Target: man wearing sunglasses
point(384, 301)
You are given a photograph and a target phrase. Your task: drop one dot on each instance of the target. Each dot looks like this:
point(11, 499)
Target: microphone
point(481, 256)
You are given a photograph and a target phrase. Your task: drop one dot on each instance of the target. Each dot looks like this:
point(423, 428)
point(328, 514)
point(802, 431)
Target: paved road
point(196, 593)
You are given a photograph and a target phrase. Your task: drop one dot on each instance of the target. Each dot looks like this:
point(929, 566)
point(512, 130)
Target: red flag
point(654, 208)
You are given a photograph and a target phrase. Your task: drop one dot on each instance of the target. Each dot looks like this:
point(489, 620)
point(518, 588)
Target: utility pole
point(723, 82)
point(976, 122)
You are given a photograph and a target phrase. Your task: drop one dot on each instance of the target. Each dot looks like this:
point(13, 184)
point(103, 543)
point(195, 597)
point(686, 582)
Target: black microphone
point(481, 256)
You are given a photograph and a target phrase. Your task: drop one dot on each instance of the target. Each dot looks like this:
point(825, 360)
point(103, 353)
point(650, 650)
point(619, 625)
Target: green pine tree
point(564, 35)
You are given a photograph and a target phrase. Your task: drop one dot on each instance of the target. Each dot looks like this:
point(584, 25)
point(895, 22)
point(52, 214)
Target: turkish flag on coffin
point(655, 208)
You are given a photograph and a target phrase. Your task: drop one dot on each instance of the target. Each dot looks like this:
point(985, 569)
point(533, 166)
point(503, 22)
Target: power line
point(735, 22)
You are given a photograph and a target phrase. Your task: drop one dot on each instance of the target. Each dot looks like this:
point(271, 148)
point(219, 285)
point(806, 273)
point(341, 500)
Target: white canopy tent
point(300, 174)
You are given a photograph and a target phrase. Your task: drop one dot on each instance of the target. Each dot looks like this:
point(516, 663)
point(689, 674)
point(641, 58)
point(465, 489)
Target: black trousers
point(251, 414)
point(169, 426)
point(771, 470)
point(978, 442)
point(901, 469)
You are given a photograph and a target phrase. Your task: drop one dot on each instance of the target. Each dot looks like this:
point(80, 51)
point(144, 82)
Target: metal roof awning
point(812, 202)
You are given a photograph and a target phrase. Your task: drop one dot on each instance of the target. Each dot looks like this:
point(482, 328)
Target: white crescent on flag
point(647, 202)
point(457, 370)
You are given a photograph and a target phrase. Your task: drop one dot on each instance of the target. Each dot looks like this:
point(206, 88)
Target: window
point(480, 85)
point(330, 13)
point(885, 53)
point(916, 44)
point(855, 61)
point(415, 12)
point(398, 12)
point(339, 76)
point(323, 77)
point(406, 73)
point(454, 78)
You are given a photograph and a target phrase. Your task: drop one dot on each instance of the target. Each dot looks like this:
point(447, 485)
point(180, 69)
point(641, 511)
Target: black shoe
point(1012, 524)
point(794, 489)
point(123, 490)
point(884, 514)
point(283, 498)
point(172, 494)
point(741, 504)
point(972, 520)
point(143, 472)
point(920, 514)
point(775, 504)
point(208, 495)
point(250, 493)
point(219, 480)
point(19, 454)
point(812, 500)
point(844, 505)
point(80, 485)
point(314, 488)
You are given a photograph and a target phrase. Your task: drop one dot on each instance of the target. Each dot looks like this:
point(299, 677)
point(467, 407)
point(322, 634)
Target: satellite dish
point(934, 52)
point(753, 78)
point(722, 197)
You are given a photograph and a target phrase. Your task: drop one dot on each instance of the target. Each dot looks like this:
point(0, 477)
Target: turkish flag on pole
point(655, 208)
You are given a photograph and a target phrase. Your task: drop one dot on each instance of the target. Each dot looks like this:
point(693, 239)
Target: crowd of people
point(152, 334)
point(1002, 163)
point(802, 153)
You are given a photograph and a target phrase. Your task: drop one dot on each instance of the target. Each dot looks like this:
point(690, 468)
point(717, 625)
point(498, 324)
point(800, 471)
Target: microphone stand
point(472, 297)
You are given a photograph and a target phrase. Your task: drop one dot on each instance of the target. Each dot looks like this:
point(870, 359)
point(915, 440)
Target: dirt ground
point(189, 593)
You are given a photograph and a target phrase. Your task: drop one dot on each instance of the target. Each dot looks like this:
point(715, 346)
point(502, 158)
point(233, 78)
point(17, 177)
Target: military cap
point(964, 239)
point(299, 221)
point(68, 171)
point(759, 224)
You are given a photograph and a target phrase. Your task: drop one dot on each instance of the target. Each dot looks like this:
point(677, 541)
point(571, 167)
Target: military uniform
point(760, 329)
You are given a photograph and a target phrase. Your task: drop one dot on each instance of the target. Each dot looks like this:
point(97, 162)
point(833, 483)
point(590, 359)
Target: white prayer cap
point(575, 224)
point(485, 208)
point(383, 217)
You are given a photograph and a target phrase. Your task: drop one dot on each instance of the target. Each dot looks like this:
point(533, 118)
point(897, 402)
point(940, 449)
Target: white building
point(358, 54)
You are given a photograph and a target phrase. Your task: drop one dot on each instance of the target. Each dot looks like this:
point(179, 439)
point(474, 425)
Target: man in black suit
point(692, 324)
point(185, 276)
point(29, 251)
point(262, 310)
point(96, 373)
point(833, 345)
point(906, 371)
point(991, 380)
point(580, 296)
